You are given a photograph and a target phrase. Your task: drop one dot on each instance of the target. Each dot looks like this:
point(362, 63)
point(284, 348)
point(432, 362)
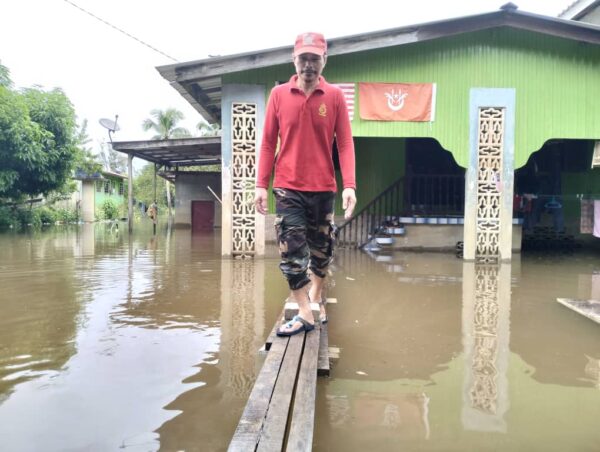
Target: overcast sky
point(104, 72)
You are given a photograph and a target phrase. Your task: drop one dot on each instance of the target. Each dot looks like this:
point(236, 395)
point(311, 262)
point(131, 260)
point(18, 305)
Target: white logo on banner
point(395, 100)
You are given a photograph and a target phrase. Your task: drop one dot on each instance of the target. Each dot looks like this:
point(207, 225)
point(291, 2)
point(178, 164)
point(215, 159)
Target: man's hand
point(348, 202)
point(260, 200)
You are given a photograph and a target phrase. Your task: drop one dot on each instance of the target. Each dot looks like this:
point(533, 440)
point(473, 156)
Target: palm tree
point(208, 130)
point(165, 124)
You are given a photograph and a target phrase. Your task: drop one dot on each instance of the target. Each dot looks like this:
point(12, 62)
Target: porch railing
point(412, 195)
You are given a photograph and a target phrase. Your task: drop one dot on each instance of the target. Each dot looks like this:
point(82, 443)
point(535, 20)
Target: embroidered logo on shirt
point(323, 110)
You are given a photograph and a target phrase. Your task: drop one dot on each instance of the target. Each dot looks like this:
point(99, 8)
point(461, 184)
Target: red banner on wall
point(397, 101)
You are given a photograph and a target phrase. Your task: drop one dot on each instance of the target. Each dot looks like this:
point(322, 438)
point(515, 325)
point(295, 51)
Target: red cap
point(310, 43)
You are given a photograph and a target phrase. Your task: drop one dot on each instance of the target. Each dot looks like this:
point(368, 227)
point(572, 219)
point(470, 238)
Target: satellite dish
point(111, 125)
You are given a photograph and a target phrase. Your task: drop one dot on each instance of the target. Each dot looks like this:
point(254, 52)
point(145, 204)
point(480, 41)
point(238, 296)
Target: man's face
point(309, 66)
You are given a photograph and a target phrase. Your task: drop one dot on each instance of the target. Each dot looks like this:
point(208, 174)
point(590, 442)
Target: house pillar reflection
point(486, 336)
point(242, 322)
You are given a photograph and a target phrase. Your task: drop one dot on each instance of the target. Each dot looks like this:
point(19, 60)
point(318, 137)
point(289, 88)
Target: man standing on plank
point(305, 115)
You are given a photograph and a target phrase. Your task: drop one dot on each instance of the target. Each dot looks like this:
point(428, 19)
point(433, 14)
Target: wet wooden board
point(587, 308)
point(323, 361)
point(285, 389)
point(273, 431)
point(273, 334)
point(303, 416)
point(291, 309)
point(247, 433)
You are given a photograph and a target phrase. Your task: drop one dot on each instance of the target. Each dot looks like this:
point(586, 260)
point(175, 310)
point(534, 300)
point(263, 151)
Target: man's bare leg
point(316, 293)
point(300, 296)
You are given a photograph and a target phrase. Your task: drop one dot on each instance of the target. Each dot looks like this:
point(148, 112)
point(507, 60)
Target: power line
point(120, 30)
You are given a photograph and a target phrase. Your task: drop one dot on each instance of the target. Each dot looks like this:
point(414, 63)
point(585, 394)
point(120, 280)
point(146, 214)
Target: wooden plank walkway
point(587, 308)
point(280, 412)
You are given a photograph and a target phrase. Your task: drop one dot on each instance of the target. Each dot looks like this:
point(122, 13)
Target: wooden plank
point(271, 438)
point(248, 431)
point(303, 415)
point(323, 364)
point(587, 308)
point(273, 334)
point(291, 309)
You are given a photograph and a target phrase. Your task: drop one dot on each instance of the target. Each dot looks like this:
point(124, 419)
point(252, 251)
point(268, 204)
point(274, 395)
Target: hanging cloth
point(587, 216)
point(597, 218)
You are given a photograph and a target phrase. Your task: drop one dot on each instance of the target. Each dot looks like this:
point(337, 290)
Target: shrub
point(67, 215)
point(29, 217)
point(7, 217)
point(109, 210)
point(47, 215)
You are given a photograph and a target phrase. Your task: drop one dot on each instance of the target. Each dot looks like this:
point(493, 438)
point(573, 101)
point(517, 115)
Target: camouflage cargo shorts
point(305, 233)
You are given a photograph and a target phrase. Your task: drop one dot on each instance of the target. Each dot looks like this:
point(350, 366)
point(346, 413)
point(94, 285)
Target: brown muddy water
point(151, 343)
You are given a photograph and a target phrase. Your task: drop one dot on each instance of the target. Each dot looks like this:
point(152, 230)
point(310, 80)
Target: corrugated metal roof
point(175, 152)
point(200, 81)
point(578, 8)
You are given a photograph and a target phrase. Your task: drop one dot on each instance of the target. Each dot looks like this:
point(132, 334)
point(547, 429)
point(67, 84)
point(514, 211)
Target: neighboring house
point(509, 85)
point(583, 11)
point(178, 160)
point(95, 189)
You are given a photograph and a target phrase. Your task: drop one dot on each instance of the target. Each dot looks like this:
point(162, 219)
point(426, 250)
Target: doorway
point(203, 215)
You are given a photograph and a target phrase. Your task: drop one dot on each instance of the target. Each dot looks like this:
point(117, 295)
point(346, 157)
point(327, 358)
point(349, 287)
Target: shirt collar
point(320, 87)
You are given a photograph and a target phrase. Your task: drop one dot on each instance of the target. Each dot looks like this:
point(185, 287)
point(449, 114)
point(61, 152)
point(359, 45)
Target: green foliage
point(208, 130)
point(113, 161)
point(29, 217)
point(25, 217)
point(143, 187)
point(165, 124)
point(5, 77)
point(109, 210)
point(38, 146)
point(67, 215)
point(8, 217)
point(87, 162)
point(47, 215)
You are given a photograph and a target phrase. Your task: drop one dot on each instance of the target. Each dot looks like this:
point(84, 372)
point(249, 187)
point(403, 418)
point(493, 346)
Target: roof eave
point(185, 77)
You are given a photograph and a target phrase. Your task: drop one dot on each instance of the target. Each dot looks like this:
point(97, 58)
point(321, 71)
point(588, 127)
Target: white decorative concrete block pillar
point(243, 229)
point(490, 175)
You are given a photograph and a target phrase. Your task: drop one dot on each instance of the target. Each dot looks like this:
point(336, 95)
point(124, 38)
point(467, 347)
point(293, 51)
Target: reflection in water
point(209, 414)
point(102, 338)
point(486, 313)
point(150, 342)
point(242, 319)
point(592, 370)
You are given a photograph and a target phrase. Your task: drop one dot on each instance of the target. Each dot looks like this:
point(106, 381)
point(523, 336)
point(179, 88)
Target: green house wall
point(557, 84)
point(114, 196)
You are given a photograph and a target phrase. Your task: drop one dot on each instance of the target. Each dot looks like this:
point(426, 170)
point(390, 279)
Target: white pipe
point(214, 194)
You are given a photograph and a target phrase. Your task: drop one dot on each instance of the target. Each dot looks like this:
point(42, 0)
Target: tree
point(208, 130)
point(87, 162)
point(112, 160)
point(143, 187)
point(5, 77)
point(38, 144)
point(165, 124)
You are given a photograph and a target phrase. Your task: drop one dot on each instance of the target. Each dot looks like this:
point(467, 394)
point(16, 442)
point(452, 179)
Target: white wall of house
point(88, 203)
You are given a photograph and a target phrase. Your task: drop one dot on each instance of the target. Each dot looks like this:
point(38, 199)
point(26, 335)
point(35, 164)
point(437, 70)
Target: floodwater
point(152, 343)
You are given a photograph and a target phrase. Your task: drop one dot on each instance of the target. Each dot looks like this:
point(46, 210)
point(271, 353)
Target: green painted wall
point(379, 162)
point(557, 82)
point(114, 196)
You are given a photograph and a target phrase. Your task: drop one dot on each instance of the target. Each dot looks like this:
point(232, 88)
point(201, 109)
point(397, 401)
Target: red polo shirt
point(305, 127)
